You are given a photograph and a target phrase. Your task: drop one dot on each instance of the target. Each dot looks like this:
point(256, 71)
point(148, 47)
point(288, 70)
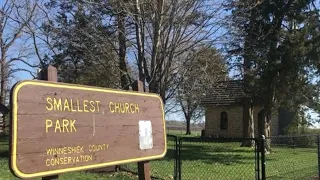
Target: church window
point(224, 121)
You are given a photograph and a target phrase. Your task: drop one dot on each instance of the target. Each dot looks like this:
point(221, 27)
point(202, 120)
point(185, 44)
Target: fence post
point(293, 142)
point(175, 158)
point(179, 157)
point(49, 74)
point(263, 158)
point(257, 156)
point(318, 145)
point(143, 166)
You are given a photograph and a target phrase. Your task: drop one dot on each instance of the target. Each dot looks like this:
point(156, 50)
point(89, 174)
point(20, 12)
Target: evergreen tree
point(278, 45)
point(85, 44)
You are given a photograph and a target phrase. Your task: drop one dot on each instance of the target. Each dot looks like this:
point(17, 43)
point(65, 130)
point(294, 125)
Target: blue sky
point(24, 76)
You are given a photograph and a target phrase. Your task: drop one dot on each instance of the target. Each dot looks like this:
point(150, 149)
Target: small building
point(224, 112)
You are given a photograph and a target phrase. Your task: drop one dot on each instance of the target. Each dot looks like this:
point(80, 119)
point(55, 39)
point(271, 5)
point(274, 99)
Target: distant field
point(183, 132)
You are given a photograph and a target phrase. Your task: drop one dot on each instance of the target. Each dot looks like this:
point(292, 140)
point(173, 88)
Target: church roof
point(225, 93)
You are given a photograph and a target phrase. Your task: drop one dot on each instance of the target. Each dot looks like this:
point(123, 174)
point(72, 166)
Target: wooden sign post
point(58, 128)
point(49, 74)
point(144, 166)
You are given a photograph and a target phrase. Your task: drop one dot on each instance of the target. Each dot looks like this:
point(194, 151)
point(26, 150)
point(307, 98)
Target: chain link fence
point(196, 158)
point(164, 168)
point(208, 158)
point(292, 157)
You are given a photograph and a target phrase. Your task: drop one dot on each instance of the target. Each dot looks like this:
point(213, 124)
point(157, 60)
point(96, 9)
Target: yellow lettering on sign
point(127, 107)
point(65, 150)
point(66, 105)
point(57, 127)
point(98, 105)
point(111, 105)
point(57, 106)
point(136, 108)
point(123, 107)
point(78, 105)
point(72, 105)
point(73, 110)
point(93, 107)
point(49, 102)
point(61, 126)
point(68, 160)
point(131, 107)
point(98, 147)
point(85, 105)
point(48, 124)
point(116, 107)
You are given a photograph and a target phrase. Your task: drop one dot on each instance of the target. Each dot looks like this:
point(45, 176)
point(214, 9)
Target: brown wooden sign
point(58, 128)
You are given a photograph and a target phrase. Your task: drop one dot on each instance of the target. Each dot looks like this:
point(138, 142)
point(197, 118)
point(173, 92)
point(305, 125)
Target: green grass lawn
point(292, 163)
point(230, 161)
point(207, 160)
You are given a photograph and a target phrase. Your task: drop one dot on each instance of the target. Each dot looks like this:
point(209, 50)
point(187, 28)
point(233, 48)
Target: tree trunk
point(122, 52)
point(3, 84)
point(248, 123)
point(3, 78)
point(157, 30)
point(188, 131)
point(138, 24)
point(248, 120)
point(267, 132)
point(3, 89)
point(264, 122)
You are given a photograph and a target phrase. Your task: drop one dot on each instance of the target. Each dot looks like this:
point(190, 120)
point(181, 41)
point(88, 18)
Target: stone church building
point(224, 111)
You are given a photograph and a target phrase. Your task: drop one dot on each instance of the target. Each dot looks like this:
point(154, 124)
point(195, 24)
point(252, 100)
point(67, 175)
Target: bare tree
point(40, 38)
point(162, 32)
point(14, 18)
point(204, 68)
point(122, 47)
point(152, 37)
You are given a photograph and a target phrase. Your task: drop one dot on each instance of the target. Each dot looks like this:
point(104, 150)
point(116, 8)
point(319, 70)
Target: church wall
point(235, 124)
point(234, 121)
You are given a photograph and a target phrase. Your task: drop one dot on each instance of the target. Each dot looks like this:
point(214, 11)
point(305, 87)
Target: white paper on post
point(145, 135)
